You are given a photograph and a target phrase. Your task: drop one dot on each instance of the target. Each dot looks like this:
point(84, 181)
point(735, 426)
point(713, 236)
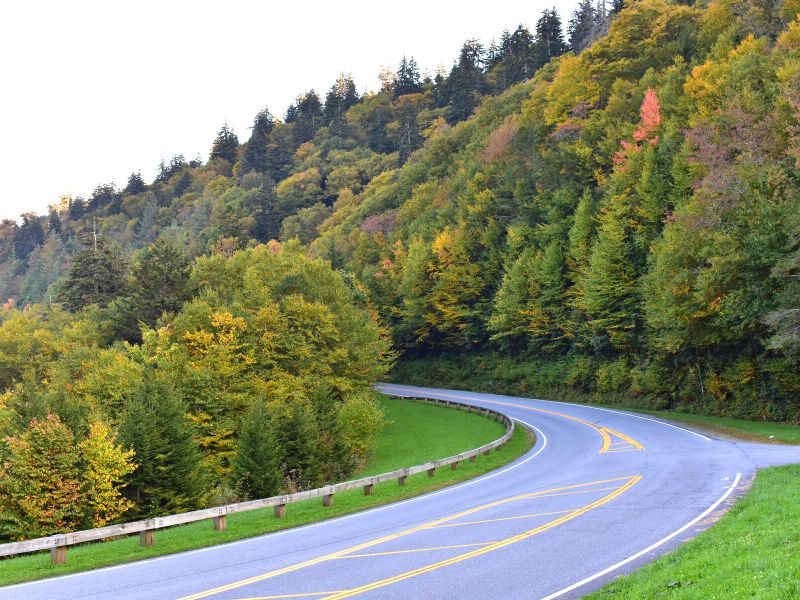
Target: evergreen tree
point(305, 116)
point(342, 95)
point(136, 184)
point(167, 477)
point(549, 37)
point(160, 284)
point(255, 157)
point(407, 80)
point(466, 82)
point(96, 276)
point(609, 290)
point(256, 466)
point(582, 26)
point(226, 145)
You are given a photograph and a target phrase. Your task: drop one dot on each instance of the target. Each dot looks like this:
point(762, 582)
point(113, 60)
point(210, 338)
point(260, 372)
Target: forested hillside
point(625, 224)
point(611, 211)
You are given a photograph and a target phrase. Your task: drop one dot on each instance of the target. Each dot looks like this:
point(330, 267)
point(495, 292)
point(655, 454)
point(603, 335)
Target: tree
point(255, 157)
point(407, 80)
point(41, 481)
point(549, 37)
point(106, 465)
point(306, 117)
point(160, 284)
point(96, 276)
point(167, 477)
point(466, 82)
point(226, 145)
point(582, 26)
point(342, 95)
point(609, 293)
point(136, 184)
point(259, 456)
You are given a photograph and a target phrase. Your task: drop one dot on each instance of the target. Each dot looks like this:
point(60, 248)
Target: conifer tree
point(407, 80)
point(167, 478)
point(226, 145)
point(255, 151)
point(160, 284)
point(256, 465)
point(96, 276)
point(135, 184)
point(609, 296)
point(582, 25)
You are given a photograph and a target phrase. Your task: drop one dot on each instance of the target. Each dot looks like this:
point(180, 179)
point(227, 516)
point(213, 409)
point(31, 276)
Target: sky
point(91, 91)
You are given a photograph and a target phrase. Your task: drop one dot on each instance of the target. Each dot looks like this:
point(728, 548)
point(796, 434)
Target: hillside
point(617, 211)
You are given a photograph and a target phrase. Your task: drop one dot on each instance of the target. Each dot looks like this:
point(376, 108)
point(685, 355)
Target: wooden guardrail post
point(368, 489)
point(453, 466)
point(280, 511)
point(402, 480)
point(431, 471)
point(221, 523)
point(327, 500)
point(146, 537)
point(58, 555)
point(473, 458)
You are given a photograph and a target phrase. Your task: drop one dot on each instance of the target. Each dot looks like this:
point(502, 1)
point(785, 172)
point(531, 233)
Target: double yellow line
point(629, 482)
point(606, 433)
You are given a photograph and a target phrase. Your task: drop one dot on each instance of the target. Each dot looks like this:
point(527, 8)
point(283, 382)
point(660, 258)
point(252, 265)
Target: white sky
point(93, 90)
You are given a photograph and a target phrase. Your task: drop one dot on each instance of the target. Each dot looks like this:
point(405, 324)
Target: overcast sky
point(92, 91)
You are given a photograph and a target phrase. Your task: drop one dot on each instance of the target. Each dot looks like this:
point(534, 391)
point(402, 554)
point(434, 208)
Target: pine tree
point(255, 151)
point(549, 37)
point(466, 82)
point(135, 185)
point(160, 285)
point(96, 276)
point(581, 27)
point(256, 466)
point(609, 291)
point(167, 478)
point(407, 80)
point(226, 145)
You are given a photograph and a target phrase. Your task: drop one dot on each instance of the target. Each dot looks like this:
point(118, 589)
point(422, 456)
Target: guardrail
point(58, 544)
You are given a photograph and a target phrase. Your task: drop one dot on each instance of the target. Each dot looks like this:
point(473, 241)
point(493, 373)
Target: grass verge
point(416, 433)
point(497, 375)
point(752, 552)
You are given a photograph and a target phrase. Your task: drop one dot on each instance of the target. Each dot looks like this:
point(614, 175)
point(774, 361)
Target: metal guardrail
point(58, 544)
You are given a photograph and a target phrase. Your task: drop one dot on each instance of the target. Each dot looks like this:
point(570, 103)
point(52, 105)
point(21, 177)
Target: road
point(601, 493)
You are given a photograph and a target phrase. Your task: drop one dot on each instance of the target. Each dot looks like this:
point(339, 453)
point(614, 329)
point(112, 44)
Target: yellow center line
point(393, 536)
point(412, 550)
point(544, 514)
point(306, 595)
point(486, 549)
point(605, 432)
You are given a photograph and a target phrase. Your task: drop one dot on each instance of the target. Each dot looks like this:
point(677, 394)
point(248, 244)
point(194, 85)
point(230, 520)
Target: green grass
point(417, 433)
point(752, 552)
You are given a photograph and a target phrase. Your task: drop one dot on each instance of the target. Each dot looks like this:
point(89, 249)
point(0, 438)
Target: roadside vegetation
point(752, 552)
point(550, 380)
point(405, 441)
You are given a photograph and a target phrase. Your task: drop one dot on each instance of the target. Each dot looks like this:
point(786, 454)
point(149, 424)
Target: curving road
point(601, 492)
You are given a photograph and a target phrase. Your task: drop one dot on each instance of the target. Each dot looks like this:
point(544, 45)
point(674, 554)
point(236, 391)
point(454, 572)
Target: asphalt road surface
point(601, 493)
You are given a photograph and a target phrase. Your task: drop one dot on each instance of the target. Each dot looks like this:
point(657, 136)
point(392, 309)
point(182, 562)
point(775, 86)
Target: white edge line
point(650, 548)
point(611, 410)
point(225, 546)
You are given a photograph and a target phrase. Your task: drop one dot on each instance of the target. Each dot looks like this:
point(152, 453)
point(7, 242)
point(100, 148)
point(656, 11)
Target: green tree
point(226, 145)
point(257, 464)
point(96, 276)
point(160, 284)
point(167, 477)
